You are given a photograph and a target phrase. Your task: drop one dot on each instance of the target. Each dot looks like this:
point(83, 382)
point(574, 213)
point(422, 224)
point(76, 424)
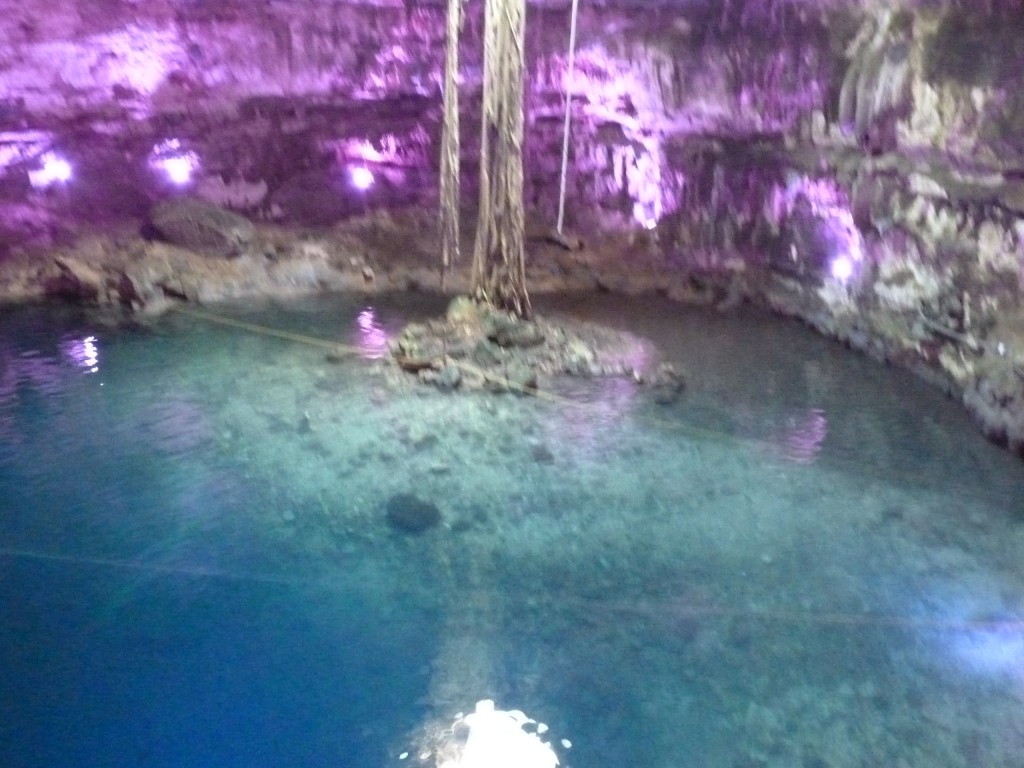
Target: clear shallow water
point(810, 560)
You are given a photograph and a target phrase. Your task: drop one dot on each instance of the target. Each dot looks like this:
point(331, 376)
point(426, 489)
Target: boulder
point(201, 226)
point(512, 332)
point(462, 310)
point(410, 514)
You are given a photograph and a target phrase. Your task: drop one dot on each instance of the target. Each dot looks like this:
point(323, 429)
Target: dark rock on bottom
point(407, 513)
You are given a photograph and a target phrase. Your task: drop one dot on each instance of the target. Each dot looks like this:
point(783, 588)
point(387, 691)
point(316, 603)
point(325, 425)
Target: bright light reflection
point(991, 647)
point(85, 353)
point(373, 339)
point(842, 268)
point(799, 439)
point(492, 738)
point(362, 177)
point(974, 629)
point(55, 169)
point(174, 162)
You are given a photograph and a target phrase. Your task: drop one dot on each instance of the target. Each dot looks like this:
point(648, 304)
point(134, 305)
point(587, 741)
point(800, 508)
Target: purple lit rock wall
point(667, 92)
point(858, 163)
point(703, 121)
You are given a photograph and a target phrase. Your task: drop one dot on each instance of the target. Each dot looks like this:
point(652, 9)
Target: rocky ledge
point(478, 347)
point(900, 311)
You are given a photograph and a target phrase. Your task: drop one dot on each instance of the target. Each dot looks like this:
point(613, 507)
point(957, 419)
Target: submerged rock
point(512, 332)
point(407, 513)
point(666, 385)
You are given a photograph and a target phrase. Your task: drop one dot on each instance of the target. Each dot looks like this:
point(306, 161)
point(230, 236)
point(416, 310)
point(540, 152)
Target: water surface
point(809, 560)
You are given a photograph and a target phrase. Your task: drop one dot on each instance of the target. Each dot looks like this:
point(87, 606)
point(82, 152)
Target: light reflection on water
point(373, 338)
point(800, 437)
point(83, 352)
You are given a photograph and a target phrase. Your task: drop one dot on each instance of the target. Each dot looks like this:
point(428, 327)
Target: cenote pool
point(809, 561)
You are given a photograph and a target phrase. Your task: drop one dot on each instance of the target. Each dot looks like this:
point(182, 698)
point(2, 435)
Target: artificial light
point(491, 738)
point(362, 177)
point(174, 162)
point(842, 268)
point(178, 169)
point(55, 169)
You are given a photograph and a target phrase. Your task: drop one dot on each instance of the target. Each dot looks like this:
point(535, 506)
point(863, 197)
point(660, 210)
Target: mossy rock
point(511, 332)
point(463, 310)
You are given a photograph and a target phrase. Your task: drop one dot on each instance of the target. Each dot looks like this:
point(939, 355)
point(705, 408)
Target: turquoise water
point(809, 560)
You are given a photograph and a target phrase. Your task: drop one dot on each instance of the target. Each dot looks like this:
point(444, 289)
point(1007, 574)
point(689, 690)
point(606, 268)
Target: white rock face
point(998, 249)
point(905, 283)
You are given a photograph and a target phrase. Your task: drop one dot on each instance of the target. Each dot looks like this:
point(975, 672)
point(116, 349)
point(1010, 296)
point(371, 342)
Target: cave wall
point(859, 164)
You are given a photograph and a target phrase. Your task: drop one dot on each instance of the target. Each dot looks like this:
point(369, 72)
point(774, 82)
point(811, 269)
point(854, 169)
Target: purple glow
point(178, 169)
point(373, 339)
point(174, 162)
point(362, 177)
point(84, 353)
point(800, 437)
point(842, 268)
point(829, 205)
point(17, 146)
point(55, 170)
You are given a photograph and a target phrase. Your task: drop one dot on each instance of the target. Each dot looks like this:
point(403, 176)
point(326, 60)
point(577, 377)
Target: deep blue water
point(142, 623)
point(810, 560)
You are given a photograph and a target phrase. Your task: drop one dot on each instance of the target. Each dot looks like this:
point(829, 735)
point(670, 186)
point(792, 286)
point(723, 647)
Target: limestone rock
point(463, 310)
point(510, 332)
point(579, 358)
point(521, 378)
point(77, 280)
point(486, 353)
point(201, 226)
point(998, 402)
point(449, 377)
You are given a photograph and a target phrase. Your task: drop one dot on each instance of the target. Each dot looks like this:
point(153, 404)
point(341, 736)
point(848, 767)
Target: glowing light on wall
point(54, 170)
point(993, 646)
point(361, 177)
point(177, 164)
point(178, 169)
point(824, 201)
